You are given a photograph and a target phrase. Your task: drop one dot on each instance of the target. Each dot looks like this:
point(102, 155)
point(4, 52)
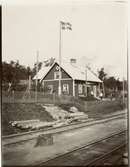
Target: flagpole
point(66, 26)
point(60, 60)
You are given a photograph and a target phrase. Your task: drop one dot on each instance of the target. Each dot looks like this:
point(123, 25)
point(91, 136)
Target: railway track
point(91, 153)
point(102, 160)
point(17, 138)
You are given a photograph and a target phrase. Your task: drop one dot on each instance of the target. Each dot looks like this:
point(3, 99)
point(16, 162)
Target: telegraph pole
point(123, 92)
point(29, 86)
point(60, 61)
point(86, 78)
point(36, 77)
point(103, 88)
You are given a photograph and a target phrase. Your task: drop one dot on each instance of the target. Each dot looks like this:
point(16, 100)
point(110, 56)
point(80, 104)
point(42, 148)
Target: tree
point(101, 74)
point(9, 72)
point(29, 71)
point(35, 68)
point(111, 83)
point(49, 62)
point(46, 63)
point(119, 84)
point(13, 72)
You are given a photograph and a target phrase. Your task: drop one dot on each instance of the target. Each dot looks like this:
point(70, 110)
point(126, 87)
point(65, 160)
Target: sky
point(98, 37)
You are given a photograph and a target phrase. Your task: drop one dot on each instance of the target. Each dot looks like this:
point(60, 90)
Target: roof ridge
point(74, 70)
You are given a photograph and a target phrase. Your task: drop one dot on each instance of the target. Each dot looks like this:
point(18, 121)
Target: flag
point(66, 25)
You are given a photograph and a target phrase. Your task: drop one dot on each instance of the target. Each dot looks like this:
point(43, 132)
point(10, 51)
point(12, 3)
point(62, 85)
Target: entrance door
point(94, 91)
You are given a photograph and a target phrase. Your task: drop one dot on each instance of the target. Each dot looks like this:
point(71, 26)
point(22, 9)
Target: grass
point(90, 98)
point(21, 111)
point(100, 108)
point(96, 109)
point(29, 111)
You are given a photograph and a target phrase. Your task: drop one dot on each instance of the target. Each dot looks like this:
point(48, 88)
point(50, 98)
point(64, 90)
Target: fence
point(22, 97)
point(64, 100)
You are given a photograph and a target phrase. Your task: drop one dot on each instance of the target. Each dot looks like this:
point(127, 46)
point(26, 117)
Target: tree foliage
point(13, 72)
point(49, 62)
point(101, 74)
point(110, 82)
point(34, 70)
point(45, 63)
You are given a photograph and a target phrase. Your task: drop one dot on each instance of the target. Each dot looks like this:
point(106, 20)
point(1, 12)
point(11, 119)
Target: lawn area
point(99, 108)
point(96, 109)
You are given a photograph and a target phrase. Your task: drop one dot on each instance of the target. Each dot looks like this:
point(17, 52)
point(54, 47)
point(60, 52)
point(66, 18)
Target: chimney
point(73, 61)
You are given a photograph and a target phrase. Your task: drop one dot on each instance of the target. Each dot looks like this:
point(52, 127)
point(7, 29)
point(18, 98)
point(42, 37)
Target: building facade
point(74, 81)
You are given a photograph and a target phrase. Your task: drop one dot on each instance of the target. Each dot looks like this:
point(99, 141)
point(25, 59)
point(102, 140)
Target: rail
point(91, 163)
point(17, 138)
point(92, 143)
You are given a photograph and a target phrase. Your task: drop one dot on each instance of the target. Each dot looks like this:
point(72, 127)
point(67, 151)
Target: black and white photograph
point(64, 83)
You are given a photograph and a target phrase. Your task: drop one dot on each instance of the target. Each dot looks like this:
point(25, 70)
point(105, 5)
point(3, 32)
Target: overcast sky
point(98, 36)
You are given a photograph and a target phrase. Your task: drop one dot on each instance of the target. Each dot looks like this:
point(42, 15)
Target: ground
point(27, 153)
point(96, 109)
point(21, 111)
point(28, 111)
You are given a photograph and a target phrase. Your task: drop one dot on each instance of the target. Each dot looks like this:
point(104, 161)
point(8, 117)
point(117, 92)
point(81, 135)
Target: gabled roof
point(42, 72)
point(77, 73)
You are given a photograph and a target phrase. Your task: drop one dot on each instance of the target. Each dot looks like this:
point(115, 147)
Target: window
point(50, 89)
point(80, 88)
point(66, 88)
point(56, 75)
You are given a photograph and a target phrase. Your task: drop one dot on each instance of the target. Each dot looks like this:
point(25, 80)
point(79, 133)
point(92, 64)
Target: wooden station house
point(75, 81)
